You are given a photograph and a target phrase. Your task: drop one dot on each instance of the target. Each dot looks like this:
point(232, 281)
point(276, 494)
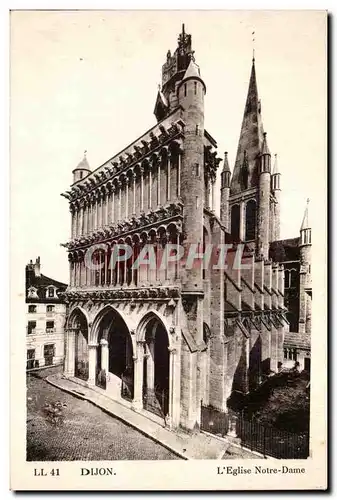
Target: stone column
point(150, 186)
point(92, 354)
point(119, 200)
point(141, 188)
point(113, 204)
point(72, 211)
point(169, 156)
point(76, 222)
point(127, 180)
point(70, 354)
point(101, 211)
point(134, 193)
point(105, 355)
point(171, 418)
point(150, 366)
point(158, 183)
point(105, 209)
point(137, 403)
point(85, 218)
point(178, 174)
point(96, 215)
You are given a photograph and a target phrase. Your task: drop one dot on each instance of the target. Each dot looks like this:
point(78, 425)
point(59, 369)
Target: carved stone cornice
point(152, 219)
point(118, 294)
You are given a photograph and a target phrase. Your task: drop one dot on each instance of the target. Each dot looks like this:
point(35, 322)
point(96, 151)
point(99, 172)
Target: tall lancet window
point(235, 222)
point(244, 172)
point(250, 220)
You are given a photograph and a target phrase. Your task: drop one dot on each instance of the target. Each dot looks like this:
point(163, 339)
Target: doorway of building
point(48, 354)
point(156, 379)
point(81, 347)
point(115, 338)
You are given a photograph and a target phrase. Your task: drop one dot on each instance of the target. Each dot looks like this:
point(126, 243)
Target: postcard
point(168, 227)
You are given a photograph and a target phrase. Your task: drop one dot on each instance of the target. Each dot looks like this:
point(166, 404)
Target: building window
point(50, 309)
point(51, 292)
point(197, 169)
point(32, 293)
point(185, 89)
point(195, 87)
point(31, 328)
point(81, 175)
point(32, 309)
point(30, 359)
point(250, 220)
point(292, 278)
point(49, 326)
point(48, 354)
point(235, 222)
point(290, 354)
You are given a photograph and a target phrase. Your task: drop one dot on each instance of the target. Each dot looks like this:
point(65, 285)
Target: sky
point(87, 80)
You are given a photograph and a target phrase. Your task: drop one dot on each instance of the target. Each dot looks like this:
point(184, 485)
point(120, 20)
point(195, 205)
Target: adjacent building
point(295, 254)
point(46, 314)
point(173, 338)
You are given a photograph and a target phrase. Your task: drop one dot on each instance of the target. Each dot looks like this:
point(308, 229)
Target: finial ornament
point(308, 200)
point(253, 41)
point(85, 153)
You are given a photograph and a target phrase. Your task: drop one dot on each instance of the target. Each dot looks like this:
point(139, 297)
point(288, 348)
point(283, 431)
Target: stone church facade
point(170, 338)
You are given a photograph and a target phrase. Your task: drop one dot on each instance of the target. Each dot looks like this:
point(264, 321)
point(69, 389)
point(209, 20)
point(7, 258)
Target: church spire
point(251, 139)
point(305, 221)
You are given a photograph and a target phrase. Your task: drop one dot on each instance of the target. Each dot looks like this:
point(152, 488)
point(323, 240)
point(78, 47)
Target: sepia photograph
point(168, 176)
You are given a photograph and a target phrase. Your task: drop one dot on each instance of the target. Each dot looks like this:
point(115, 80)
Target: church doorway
point(156, 374)
point(81, 346)
point(114, 371)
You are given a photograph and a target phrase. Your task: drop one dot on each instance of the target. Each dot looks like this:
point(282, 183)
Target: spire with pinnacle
point(305, 222)
point(251, 138)
point(276, 177)
point(275, 167)
point(82, 169)
point(226, 173)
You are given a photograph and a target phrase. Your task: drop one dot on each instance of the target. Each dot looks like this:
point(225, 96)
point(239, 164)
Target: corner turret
point(82, 169)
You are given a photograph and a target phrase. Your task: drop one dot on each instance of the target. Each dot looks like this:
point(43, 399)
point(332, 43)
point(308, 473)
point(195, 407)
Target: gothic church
point(169, 339)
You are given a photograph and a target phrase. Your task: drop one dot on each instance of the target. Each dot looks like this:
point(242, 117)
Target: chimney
point(37, 269)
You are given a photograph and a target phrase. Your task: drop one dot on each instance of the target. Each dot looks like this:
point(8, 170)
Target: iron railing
point(271, 441)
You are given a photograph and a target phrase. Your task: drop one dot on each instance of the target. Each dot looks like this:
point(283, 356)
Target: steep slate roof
point(83, 165)
point(251, 138)
point(192, 71)
point(41, 283)
point(283, 250)
point(299, 340)
point(225, 167)
point(305, 222)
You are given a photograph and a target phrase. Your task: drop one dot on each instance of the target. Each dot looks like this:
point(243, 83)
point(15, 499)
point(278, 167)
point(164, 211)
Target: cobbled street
point(83, 432)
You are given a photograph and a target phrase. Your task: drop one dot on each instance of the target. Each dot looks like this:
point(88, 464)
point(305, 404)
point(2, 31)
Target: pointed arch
point(94, 333)
point(144, 322)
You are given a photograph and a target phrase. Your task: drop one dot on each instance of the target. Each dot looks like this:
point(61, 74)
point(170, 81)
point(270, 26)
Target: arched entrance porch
point(156, 368)
point(114, 364)
point(76, 346)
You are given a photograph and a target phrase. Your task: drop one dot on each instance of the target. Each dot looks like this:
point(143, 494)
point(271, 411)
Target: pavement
point(187, 446)
point(82, 431)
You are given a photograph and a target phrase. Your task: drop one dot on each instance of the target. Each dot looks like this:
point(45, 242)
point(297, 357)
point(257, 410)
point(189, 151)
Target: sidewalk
point(189, 447)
